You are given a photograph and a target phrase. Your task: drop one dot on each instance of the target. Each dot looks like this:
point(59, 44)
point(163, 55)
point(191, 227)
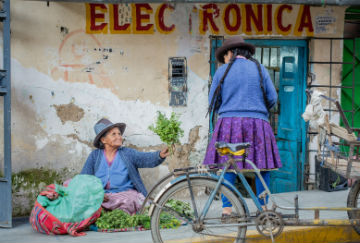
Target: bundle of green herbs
point(118, 219)
point(168, 130)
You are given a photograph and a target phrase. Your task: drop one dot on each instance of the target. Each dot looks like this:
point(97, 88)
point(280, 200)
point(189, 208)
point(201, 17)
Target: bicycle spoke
point(178, 198)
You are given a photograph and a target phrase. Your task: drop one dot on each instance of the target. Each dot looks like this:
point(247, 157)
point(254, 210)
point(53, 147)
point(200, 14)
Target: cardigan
point(115, 177)
point(241, 94)
point(133, 160)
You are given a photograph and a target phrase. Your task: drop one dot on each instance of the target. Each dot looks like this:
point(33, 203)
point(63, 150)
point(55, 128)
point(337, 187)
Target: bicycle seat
point(232, 148)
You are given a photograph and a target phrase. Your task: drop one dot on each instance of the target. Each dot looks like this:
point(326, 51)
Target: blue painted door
point(290, 133)
point(286, 63)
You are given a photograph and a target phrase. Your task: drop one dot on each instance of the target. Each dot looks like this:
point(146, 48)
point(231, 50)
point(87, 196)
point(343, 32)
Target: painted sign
point(231, 19)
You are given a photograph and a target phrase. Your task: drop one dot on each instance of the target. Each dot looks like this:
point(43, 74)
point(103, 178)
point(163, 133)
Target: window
point(177, 81)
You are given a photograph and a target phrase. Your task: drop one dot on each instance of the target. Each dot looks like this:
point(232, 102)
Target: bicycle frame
point(188, 175)
point(232, 162)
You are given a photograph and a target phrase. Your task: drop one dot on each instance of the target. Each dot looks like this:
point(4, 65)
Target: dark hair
point(101, 145)
point(242, 52)
point(216, 99)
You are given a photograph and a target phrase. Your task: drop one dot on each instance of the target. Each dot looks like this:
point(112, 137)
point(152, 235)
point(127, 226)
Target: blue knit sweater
point(241, 92)
point(133, 160)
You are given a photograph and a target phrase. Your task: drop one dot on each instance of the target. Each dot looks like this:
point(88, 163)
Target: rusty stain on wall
point(69, 112)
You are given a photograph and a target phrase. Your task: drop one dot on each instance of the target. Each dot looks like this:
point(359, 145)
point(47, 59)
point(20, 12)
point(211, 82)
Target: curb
point(324, 234)
point(316, 234)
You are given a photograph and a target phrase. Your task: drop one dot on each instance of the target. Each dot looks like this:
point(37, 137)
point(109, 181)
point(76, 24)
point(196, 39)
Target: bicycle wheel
point(185, 228)
point(353, 201)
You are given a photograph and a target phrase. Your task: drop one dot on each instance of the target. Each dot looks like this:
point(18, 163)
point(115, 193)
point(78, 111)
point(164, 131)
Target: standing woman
point(242, 94)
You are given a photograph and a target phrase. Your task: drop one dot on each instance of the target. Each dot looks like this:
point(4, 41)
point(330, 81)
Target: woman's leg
point(129, 201)
point(259, 186)
point(231, 177)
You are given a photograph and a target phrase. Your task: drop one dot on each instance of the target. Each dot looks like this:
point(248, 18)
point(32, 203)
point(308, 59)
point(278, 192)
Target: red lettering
point(250, 15)
point(209, 16)
point(305, 20)
point(162, 25)
point(237, 17)
point(269, 18)
point(279, 17)
point(94, 16)
point(140, 17)
point(116, 19)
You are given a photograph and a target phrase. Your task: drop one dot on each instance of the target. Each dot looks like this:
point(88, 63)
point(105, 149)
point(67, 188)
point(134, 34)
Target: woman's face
point(228, 56)
point(112, 138)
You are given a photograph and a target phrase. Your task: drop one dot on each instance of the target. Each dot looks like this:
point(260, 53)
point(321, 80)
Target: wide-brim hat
point(104, 125)
point(231, 43)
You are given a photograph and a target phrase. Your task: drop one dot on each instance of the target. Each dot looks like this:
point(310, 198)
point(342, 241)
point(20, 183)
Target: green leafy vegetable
point(118, 219)
point(168, 130)
point(183, 208)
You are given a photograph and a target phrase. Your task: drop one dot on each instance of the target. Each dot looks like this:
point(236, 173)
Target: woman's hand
point(164, 153)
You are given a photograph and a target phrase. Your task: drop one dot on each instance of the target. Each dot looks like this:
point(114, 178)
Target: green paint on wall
point(27, 184)
point(350, 101)
point(351, 78)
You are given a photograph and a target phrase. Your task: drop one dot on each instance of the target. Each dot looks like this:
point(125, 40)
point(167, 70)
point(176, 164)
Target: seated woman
point(117, 167)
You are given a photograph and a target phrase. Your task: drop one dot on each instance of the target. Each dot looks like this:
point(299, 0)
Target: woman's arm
point(144, 159)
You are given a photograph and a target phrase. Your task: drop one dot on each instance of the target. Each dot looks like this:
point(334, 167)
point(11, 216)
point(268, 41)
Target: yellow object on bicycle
point(225, 151)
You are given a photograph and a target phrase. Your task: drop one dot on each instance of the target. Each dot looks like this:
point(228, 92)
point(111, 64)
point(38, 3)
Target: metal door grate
point(332, 88)
point(270, 58)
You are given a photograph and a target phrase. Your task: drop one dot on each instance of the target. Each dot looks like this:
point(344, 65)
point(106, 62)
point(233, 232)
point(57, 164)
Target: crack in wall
point(76, 137)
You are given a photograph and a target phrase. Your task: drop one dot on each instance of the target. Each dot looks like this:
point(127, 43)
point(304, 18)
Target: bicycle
point(201, 214)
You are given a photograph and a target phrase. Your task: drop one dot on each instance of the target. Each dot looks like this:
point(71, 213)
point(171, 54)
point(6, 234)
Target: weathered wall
point(72, 65)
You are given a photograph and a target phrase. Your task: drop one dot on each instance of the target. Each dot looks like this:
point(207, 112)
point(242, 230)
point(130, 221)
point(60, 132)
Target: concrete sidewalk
point(22, 231)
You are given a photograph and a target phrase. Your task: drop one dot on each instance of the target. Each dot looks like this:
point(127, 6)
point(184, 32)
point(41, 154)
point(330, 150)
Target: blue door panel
point(289, 127)
point(282, 185)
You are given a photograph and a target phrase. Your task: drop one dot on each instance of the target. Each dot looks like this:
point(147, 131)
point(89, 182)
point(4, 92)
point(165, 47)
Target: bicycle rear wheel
point(185, 227)
point(353, 201)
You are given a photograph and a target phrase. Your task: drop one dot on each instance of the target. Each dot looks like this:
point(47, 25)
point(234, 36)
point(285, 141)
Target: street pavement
point(23, 233)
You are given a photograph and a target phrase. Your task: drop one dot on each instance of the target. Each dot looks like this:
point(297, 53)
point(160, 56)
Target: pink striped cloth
point(129, 201)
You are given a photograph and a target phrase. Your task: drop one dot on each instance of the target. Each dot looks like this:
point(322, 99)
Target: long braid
point(215, 100)
point(261, 81)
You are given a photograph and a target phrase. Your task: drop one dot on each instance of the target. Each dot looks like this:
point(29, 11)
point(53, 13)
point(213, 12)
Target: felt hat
point(232, 43)
point(104, 125)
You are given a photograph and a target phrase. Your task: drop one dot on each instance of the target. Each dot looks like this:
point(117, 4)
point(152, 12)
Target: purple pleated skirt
point(263, 150)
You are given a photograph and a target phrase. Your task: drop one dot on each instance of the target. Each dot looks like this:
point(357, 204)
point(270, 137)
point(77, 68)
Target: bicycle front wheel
point(174, 215)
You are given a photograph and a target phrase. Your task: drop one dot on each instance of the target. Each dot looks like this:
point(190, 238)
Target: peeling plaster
point(76, 134)
point(69, 112)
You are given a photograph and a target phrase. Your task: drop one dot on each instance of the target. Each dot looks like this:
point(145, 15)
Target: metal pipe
point(305, 2)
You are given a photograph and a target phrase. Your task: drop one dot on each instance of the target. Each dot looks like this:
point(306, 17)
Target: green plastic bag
point(76, 202)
